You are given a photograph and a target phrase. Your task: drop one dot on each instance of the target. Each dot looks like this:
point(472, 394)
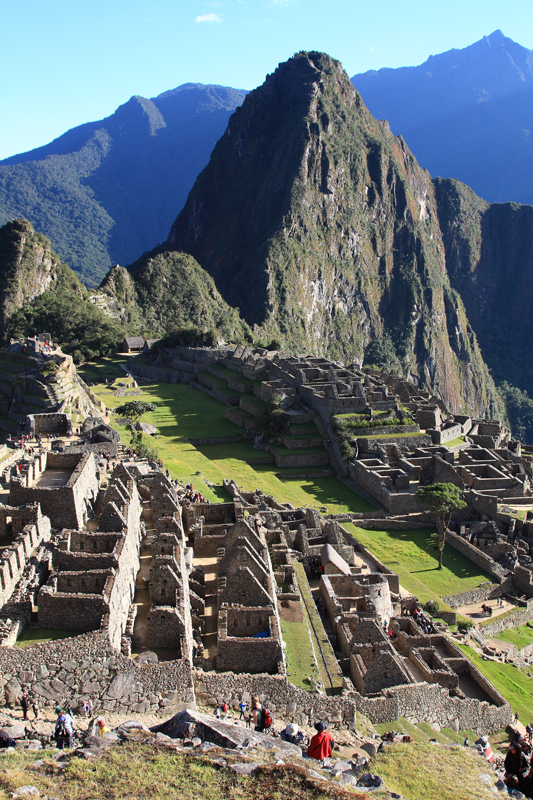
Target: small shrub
point(346, 450)
point(464, 625)
point(49, 368)
point(432, 607)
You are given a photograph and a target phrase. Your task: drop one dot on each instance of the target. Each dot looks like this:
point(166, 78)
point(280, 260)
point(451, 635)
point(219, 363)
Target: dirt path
point(474, 612)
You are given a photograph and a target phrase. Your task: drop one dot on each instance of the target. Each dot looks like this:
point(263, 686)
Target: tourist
point(25, 702)
point(100, 727)
point(64, 730)
point(225, 710)
point(35, 708)
point(243, 706)
point(321, 744)
point(485, 748)
point(217, 712)
point(515, 761)
point(292, 734)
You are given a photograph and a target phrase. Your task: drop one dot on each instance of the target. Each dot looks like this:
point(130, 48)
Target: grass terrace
point(521, 636)
point(185, 413)
point(412, 555)
point(299, 654)
point(455, 442)
point(421, 770)
point(31, 636)
point(509, 680)
point(253, 400)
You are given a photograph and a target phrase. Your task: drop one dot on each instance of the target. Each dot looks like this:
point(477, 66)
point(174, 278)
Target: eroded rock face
point(28, 267)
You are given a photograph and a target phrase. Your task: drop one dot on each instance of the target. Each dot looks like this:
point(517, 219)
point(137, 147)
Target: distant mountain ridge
point(106, 191)
point(465, 114)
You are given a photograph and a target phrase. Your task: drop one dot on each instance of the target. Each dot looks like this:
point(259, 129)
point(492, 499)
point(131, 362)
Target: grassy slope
point(411, 554)
point(521, 636)
point(299, 654)
point(510, 681)
point(183, 412)
point(137, 772)
point(421, 770)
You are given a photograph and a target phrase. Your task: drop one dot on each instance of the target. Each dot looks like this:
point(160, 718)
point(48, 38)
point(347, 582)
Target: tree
point(442, 499)
point(134, 410)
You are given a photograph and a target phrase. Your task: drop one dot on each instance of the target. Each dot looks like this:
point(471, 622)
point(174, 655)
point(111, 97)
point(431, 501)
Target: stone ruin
point(218, 575)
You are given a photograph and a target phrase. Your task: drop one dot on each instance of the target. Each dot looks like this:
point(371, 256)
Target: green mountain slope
point(170, 291)
point(106, 191)
point(321, 227)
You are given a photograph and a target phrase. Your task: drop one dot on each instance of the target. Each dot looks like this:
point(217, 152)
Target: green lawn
point(509, 680)
point(299, 654)
point(330, 676)
point(184, 412)
point(455, 442)
point(31, 636)
point(521, 636)
point(412, 555)
point(422, 770)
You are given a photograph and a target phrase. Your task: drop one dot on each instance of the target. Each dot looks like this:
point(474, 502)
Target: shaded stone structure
point(64, 485)
point(99, 591)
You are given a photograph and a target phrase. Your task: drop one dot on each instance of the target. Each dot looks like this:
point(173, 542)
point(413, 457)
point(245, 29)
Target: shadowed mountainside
point(321, 227)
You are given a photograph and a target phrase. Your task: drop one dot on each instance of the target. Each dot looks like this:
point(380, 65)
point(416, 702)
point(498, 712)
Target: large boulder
point(188, 724)
point(17, 731)
point(12, 691)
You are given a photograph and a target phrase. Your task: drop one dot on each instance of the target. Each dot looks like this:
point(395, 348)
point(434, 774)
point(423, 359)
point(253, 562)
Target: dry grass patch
point(134, 771)
point(434, 772)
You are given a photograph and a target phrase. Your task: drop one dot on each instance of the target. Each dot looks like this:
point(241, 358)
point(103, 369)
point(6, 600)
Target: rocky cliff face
point(489, 258)
point(321, 227)
point(28, 267)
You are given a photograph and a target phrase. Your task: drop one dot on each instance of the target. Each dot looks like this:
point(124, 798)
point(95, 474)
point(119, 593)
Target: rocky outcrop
point(28, 267)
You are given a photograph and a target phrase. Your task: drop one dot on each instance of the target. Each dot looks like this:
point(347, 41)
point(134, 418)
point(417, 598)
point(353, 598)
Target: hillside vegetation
point(106, 191)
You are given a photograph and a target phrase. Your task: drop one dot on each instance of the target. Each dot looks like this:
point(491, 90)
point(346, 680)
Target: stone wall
point(295, 459)
point(429, 701)
point(403, 503)
point(476, 555)
point(71, 670)
point(489, 591)
point(514, 620)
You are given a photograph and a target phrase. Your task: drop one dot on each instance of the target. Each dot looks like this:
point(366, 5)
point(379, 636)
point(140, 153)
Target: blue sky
point(65, 62)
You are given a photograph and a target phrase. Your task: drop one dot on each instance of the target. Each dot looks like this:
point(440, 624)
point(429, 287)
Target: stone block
point(26, 676)
point(90, 687)
point(53, 689)
point(69, 666)
point(41, 671)
point(123, 685)
point(12, 691)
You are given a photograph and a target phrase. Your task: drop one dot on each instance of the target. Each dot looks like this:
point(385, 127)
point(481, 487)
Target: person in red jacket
point(321, 743)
